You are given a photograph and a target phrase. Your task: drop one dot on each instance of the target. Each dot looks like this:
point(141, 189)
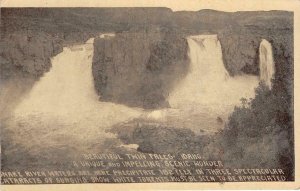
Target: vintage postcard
point(148, 95)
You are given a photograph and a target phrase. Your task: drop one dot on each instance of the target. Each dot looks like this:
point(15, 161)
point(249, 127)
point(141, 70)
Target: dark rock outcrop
point(152, 137)
point(139, 68)
point(27, 55)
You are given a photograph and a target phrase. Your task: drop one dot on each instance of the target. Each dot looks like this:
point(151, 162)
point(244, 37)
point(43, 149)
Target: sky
point(175, 5)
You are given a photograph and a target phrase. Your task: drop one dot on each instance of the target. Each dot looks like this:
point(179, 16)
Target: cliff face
point(139, 68)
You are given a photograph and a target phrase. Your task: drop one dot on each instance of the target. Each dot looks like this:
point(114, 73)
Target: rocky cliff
point(139, 68)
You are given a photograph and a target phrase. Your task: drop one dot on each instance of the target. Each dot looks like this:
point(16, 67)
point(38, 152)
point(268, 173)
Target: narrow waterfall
point(266, 63)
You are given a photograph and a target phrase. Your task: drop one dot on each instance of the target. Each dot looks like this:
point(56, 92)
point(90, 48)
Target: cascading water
point(207, 95)
point(64, 109)
point(208, 82)
point(207, 73)
point(266, 63)
point(63, 105)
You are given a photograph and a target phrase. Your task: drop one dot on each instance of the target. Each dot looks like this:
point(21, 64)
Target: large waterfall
point(266, 62)
point(63, 104)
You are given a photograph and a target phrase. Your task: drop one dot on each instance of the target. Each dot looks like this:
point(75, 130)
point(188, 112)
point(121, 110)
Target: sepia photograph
point(107, 95)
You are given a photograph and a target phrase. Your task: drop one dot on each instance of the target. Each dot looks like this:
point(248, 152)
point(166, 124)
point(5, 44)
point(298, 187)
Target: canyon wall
point(149, 51)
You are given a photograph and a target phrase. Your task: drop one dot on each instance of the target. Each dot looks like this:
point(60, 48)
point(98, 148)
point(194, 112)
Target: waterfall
point(266, 63)
point(63, 104)
point(208, 82)
point(207, 71)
